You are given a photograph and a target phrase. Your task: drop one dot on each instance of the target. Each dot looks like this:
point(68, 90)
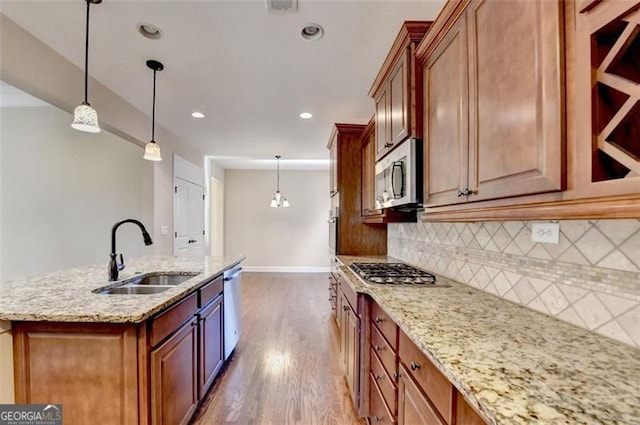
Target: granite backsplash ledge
point(591, 278)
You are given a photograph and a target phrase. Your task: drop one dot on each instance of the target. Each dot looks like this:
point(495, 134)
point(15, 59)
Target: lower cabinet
point(405, 387)
point(155, 372)
point(413, 405)
point(211, 346)
point(174, 378)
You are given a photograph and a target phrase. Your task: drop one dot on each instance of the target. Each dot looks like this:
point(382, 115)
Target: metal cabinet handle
point(345, 308)
point(378, 319)
point(465, 192)
point(192, 241)
point(396, 375)
point(415, 366)
point(377, 377)
point(378, 419)
point(378, 348)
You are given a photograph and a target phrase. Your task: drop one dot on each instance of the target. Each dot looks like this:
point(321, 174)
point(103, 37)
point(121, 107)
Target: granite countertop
point(66, 296)
point(514, 365)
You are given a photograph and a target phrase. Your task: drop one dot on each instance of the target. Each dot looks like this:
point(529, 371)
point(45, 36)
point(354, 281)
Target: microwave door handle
point(397, 194)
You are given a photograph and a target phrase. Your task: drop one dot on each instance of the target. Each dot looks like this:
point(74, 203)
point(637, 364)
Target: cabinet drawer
point(385, 324)
point(210, 291)
point(348, 292)
point(384, 351)
point(431, 381)
point(170, 320)
point(378, 411)
point(386, 383)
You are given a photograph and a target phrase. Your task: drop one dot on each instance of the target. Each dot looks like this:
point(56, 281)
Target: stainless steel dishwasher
point(232, 308)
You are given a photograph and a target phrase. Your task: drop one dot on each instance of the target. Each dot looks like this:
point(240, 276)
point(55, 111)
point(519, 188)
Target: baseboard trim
point(286, 269)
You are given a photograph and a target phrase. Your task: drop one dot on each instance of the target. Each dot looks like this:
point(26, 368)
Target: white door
point(188, 218)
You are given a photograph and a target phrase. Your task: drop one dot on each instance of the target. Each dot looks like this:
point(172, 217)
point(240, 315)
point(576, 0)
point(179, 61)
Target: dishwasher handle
point(234, 275)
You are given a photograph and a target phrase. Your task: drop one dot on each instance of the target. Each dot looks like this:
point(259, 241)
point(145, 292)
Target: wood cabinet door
point(413, 405)
point(352, 333)
point(211, 344)
point(445, 77)
point(368, 174)
point(398, 118)
point(515, 86)
point(382, 122)
point(333, 167)
point(90, 368)
point(174, 364)
point(465, 415)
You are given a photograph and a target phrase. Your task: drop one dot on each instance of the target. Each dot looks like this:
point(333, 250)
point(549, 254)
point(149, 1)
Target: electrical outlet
point(545, 232)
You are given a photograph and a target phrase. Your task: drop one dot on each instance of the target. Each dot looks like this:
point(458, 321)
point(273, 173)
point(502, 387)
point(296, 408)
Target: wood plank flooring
point(286, 367)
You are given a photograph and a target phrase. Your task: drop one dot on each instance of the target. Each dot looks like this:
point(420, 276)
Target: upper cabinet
point(333, 165)
point(397, 91)
point(493, 102)
point(608, 97)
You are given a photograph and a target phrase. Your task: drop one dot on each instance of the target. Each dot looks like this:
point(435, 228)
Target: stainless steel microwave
point(399, 177)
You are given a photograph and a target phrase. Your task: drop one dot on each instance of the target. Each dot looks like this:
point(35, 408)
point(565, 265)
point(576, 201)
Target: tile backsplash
point(591, 278)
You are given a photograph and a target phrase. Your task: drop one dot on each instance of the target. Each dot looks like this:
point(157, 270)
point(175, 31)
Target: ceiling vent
point(282, 5)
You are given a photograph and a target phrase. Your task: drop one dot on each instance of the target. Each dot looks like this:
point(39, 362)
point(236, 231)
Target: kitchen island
point(512, 365)
point(118, 358)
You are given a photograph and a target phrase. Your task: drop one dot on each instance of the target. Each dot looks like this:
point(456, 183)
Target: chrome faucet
point(114, 265)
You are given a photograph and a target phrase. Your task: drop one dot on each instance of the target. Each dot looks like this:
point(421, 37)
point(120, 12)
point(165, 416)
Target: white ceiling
point(248, 70)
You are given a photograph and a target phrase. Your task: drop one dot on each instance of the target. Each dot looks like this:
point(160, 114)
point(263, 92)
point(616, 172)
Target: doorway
point(188, 213)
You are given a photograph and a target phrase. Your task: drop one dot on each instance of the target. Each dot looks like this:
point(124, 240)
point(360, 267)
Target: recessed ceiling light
point(306, 115)
point(150, 31)
point(312, 32)
point(197, 114)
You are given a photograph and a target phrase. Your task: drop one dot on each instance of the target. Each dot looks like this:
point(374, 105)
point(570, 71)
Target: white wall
point(32, 66)
point(277, 239)
point(62, 190)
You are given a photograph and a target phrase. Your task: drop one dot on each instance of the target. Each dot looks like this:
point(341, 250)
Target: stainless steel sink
point(135, 290)
point(162, 279)
point(150, 283)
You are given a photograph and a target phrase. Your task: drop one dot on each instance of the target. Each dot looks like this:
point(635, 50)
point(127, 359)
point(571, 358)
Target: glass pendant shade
point(152, 152)
point(85, 118)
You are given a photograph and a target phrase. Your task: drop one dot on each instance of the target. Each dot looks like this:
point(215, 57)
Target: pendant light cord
point(153, 110)
point(86, 57)
point(278, 175)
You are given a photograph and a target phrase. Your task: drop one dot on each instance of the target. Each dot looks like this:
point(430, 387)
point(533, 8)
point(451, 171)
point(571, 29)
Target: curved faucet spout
point(114, 267)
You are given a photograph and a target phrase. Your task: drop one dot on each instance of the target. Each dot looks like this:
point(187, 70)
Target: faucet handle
point(121, 264)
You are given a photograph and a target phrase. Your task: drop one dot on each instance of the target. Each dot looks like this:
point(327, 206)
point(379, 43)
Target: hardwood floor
point(286, 368)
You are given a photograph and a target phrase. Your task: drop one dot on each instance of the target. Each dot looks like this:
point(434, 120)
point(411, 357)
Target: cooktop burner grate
point(393, 274)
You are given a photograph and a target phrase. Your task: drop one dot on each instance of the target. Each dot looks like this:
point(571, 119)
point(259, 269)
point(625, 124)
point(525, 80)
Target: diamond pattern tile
point(574, 229)
point(597, 250)
point(618, 230)
point(525, 291)
point(631, 248)
point(618, 261)
point(630, 322)
point(592, 311)
point(615, 331)
point(593, 245)
point(554, 300)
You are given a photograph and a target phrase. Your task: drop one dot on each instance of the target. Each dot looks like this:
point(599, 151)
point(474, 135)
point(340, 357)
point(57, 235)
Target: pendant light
point(85, 118)
point(152, 149)
point(278, 199)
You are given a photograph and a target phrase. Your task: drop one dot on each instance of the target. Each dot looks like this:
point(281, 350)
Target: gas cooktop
point(393, 274)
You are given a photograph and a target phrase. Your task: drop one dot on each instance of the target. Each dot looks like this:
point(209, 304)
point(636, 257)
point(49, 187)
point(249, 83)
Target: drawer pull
point(378, 319)
point(377, 377)
point(396, 375)
point(345, 308)
point(378, 419)
point(378, 347)
point(415, 366)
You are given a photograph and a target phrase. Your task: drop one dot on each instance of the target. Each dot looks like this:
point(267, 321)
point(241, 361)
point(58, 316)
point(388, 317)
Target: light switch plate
point(545, 232)
point(164, 230)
